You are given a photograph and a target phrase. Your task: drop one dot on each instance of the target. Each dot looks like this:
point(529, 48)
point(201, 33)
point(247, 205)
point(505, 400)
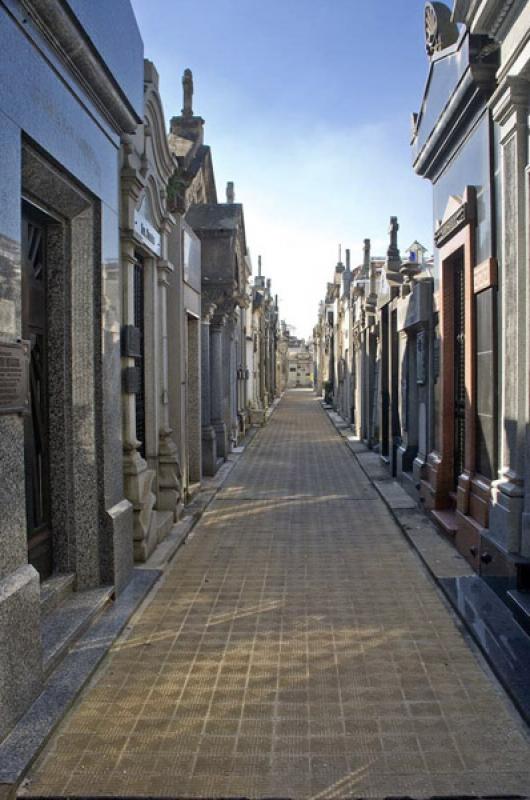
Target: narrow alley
point(295, 648)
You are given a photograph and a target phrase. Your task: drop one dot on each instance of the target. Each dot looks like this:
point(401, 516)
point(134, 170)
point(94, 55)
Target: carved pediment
point(459, 211)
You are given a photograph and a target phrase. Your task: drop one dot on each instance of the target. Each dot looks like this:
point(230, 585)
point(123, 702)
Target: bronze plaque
point(14, 377)
point(485, 275)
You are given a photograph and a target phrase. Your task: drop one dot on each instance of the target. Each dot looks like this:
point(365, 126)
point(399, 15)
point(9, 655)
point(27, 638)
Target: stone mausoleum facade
point(124, 333)
point(429, 358)
point(64, 506)
point(470, 140)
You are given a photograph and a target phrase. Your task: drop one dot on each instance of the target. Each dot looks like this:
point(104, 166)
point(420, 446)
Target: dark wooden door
point(36, 450)
point(139, 303)
point(459, 374)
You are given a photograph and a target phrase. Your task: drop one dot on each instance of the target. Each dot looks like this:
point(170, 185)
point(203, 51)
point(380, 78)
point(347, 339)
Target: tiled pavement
point(296, 648)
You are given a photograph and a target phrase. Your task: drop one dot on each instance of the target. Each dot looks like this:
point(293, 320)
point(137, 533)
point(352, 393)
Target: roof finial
point(230, 194)
point(366, 259)
point(339, 269)
point(259, 266)
point(187, 86)
point(393, 250)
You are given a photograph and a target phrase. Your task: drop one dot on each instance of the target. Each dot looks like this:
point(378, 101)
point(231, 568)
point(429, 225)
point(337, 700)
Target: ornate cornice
point(512, 95)
point(462, 216)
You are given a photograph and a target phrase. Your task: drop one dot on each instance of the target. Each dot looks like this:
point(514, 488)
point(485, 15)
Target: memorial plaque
point(14, 377)
point(131, 341)
point(485, 275)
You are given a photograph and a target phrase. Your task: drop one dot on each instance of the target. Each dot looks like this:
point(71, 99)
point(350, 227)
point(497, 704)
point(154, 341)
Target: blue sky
point(307, 106)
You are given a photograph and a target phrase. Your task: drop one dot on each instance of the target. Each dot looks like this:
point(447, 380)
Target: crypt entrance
point(462, 464)
point(61, 319)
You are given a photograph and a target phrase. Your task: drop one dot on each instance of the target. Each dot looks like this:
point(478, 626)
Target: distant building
point(299, 364)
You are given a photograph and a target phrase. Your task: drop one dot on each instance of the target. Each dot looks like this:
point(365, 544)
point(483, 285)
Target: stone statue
point(187, 86)
point(230, 193)
point(393, 249)
point(393, 257)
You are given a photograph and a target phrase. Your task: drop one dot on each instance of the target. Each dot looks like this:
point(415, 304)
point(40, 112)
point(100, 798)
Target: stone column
point(261, 367)
point(194, 401)
point(217, 327)
point(363, 425)
point(506, 516)
point(208, 435)
point(138, 479)
point(169, 475)
point(232, 420)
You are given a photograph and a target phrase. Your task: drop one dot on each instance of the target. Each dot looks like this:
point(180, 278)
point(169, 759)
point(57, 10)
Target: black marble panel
point(446, 71)
point(472, 166)
point(502, 640)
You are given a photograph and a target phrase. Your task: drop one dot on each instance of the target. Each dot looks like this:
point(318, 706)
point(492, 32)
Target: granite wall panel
point(62, 122)
point(13, 545)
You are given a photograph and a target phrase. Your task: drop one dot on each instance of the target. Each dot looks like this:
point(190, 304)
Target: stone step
point(447, 521)
point(53, 592)
point(65, 624)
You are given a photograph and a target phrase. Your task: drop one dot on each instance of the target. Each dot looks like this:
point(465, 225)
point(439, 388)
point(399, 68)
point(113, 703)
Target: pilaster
point(510, 111)
point(208, 435)
point(169, 472)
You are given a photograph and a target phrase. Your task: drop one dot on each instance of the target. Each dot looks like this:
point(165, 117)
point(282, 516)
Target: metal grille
point(460, 382)
point(139, 323)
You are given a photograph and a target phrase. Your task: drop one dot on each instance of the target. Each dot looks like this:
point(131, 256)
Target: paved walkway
point(295, 649)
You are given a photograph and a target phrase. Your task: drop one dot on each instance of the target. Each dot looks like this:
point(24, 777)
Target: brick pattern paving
point(296, 648)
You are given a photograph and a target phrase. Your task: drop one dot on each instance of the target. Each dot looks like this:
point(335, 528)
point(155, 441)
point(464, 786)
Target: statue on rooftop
point(187, 85)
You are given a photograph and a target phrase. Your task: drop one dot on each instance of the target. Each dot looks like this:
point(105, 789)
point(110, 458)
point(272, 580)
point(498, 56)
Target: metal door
point(36, 450)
